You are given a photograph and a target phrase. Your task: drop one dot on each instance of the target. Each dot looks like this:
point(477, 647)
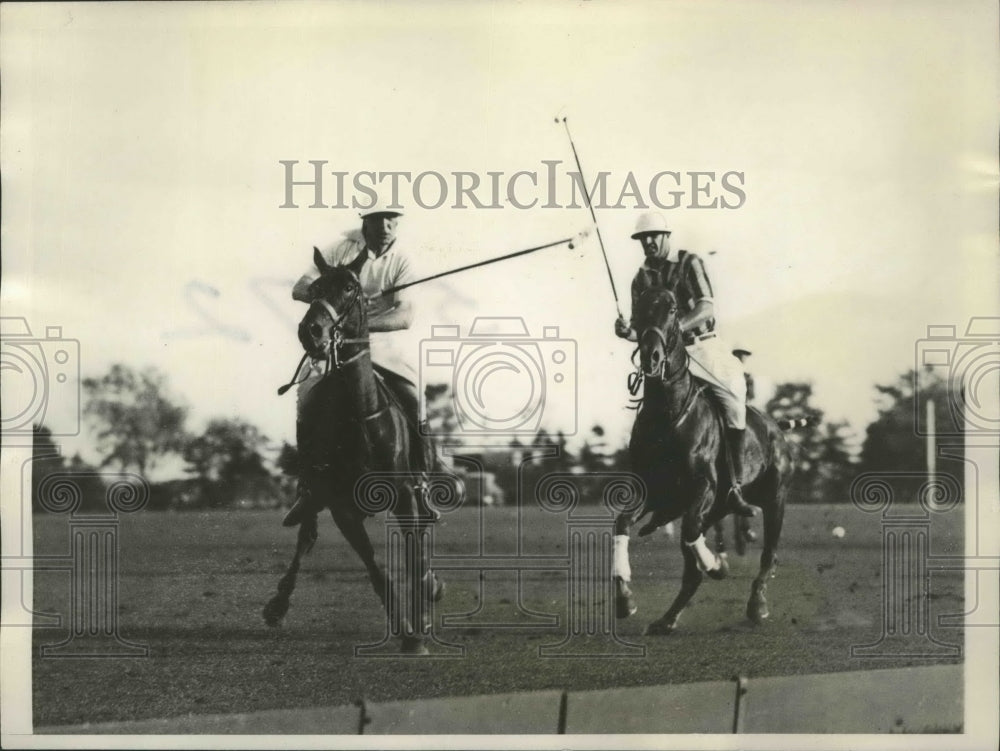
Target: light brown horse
point(677, 450)
point(350, 428)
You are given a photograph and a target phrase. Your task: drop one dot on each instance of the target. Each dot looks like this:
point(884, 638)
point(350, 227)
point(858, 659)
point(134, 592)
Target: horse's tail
point(798, 422)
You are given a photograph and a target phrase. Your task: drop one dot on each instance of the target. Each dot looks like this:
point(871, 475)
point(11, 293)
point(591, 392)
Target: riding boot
point(432, 462)
point(737, 447)
point(303, 508)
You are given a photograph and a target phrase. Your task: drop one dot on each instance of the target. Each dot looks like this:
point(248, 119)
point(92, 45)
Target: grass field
point(192, 587)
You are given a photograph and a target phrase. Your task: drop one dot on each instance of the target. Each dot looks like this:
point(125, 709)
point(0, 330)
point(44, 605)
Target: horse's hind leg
point(353, 529)
point(720, 536)
point(622, 572)
point(398, 610)
point(773, 503)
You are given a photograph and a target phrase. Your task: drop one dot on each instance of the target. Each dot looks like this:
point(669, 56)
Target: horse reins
point(636, 378)
point(333, 345)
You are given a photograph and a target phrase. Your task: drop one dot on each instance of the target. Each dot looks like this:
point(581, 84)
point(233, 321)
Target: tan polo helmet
point(650, 221)
point(381, 206)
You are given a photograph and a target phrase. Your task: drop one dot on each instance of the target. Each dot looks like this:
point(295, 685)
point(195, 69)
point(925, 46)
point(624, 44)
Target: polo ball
point(838, 532)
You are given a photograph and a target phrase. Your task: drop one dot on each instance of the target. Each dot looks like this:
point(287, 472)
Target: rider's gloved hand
point(622, 329)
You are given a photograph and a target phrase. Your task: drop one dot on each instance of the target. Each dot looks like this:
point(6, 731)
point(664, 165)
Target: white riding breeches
point(712, 359)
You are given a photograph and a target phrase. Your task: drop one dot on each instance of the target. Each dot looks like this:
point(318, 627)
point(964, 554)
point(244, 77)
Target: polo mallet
point(593, 216)
point(569, 241)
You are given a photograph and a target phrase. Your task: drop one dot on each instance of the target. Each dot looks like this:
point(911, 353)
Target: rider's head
point(378, 225)
point(652, 233)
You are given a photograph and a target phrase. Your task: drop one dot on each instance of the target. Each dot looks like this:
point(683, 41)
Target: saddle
point(423, 452)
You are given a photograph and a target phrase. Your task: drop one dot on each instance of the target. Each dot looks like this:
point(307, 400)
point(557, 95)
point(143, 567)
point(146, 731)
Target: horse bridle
point(668, 344)
point(635, 379)
point(337, 338)
point(331, 349)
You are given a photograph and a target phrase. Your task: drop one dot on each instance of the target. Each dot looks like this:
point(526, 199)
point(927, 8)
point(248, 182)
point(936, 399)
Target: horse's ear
point(320, 262)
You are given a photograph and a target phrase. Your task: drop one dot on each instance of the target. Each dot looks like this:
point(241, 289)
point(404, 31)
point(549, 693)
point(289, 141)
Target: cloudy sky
point(142, 177)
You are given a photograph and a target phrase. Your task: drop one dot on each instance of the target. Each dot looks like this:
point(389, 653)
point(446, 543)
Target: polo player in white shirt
point(387, 265)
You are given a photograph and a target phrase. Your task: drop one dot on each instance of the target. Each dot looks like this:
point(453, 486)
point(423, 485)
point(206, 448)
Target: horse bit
point(635, 378)
point(331, 348)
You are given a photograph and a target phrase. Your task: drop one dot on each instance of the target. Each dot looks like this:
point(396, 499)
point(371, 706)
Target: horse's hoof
point(660, 628)
point(624, 602)
point(741, 547)
point(624, 607)
point(439, 587)
point(273, 613)
point(722, 571)
point(757, 610)
point(413, 645)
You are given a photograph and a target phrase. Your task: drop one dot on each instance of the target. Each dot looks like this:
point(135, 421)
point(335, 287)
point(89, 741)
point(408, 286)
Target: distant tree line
point(825, 453)
point(138, 424)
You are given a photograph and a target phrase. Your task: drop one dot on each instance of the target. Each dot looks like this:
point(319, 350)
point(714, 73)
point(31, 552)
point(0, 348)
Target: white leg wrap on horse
point(621, 567)
point(707, 560)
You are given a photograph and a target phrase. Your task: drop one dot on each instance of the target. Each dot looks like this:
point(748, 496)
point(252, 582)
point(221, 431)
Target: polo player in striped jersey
point(684, 274)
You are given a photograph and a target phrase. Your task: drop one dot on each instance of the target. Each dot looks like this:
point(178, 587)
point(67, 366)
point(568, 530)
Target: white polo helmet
point(381, 206)
point(651, 221)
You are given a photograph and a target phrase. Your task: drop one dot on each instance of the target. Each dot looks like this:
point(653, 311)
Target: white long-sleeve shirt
point(389, 348)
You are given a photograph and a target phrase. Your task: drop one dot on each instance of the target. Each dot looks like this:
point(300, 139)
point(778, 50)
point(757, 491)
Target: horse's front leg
point(625, 604)
point(277, 606)
point(690, 581)
point(698, 559)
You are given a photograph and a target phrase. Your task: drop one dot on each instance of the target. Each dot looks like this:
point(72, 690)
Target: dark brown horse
point(350, 428)
point(677, 450)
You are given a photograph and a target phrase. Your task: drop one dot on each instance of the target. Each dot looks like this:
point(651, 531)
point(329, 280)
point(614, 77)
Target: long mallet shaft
point(593, 216)
point(567, 241)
